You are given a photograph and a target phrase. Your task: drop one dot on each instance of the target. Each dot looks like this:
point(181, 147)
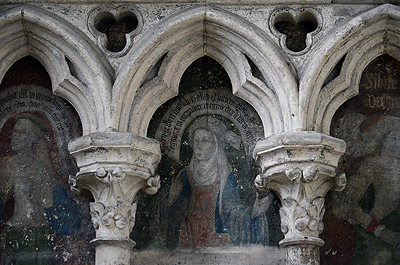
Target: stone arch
point(188, 35)
point(355, 44)
point(78, 71)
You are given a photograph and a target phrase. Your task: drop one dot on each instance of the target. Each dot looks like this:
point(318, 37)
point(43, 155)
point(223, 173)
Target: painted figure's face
point(24, 134)
point(203, 144)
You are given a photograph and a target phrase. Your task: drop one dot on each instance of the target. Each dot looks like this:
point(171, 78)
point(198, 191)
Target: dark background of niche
point(346, 243)
point(28, 71)
point(204, 73)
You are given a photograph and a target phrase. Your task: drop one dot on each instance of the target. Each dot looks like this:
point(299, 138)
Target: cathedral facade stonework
point(199, 132)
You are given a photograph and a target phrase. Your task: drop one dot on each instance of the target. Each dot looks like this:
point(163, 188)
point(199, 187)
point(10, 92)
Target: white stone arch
point(361, 39)
point(79, 73)
point(189, 35)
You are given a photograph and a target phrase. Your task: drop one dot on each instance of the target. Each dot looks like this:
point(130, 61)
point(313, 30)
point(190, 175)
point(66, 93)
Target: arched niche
point(365, 216)
point(206, 114)
point(79, 72)
point(150, 74)
point(336, 63)
point(40, 219)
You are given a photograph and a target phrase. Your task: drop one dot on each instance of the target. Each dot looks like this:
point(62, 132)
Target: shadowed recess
point(116, 28)
point(296, 30)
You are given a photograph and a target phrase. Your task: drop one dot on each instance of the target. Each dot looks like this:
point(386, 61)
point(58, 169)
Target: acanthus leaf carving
point(154, 185)
point(301, 168)
point(115, 176)
point(302, 194)
point(341, 182)
point(293, 174)
point(114, 167)
point(121, 215)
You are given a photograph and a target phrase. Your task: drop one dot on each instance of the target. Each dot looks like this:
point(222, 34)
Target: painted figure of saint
point(40, 206)
point(30, 176)
point(373, 189)
point(206, 192)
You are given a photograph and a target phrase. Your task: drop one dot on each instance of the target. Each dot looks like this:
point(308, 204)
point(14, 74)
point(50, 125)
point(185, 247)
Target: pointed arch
point(359, 41)
point(79, 73)
point(189, 35)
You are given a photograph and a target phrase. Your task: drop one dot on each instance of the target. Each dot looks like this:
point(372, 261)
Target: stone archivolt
point(289, 95)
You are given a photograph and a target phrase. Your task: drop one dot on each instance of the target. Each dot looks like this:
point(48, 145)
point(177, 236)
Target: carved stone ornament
point(114, 166)
point(115, 28)
point(296, 28)
point(301, 168)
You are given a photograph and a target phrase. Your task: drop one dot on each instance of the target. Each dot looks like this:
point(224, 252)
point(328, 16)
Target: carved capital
point(113, 221)
point(114, 166)
point(301, 168)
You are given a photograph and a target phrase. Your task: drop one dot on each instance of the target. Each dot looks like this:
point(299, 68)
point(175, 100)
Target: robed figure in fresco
point(368, 212)
point(207, 195)
point(30, 176)
point(37, 207)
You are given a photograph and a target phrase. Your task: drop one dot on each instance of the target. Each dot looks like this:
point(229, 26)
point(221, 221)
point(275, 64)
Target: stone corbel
point(114, 166)
point(301, 168)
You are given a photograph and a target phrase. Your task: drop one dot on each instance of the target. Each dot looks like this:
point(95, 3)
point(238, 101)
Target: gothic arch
point(78, 71)
point(189, 35)
point(357, 42)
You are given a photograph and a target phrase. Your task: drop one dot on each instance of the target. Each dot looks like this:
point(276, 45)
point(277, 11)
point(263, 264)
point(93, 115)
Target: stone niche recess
point(296, 28)
point(115, 28)
point(217, 209)
point(199, 132)
point(41, 221)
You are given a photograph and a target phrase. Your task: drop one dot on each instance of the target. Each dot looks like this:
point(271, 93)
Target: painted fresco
point(207, 197)
point(41, 223)
point(362, 226)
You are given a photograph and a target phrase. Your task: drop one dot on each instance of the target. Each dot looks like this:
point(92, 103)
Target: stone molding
point(220, 2)
point(116, 12)
point(190, 34)
point(78, 70)
point(84, 75)
point(359, 40)
point(296, 15)
point(301, 168)
point(114, 166)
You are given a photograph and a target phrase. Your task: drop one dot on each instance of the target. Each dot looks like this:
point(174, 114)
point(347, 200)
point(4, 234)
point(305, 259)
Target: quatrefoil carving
point(115, 28)
point(295, 28)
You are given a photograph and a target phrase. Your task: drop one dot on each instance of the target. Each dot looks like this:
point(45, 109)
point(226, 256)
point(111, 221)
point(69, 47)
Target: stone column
point(301, 168)
point(114, 166)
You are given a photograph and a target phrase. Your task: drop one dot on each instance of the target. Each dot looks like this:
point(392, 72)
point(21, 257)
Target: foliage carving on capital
point(302, 192)
point(114, 167)
point(154, 184)
point(121, 215)
point(116, 175)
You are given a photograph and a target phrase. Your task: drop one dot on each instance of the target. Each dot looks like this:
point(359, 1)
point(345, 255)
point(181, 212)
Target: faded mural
point(207, 197)
point(363, 224)
point(40, 221)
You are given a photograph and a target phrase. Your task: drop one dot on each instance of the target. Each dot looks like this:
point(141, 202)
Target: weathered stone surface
point(120, 88)
point(225, 255)
point(113, 167)
point(303, 254)
point(301, 168)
